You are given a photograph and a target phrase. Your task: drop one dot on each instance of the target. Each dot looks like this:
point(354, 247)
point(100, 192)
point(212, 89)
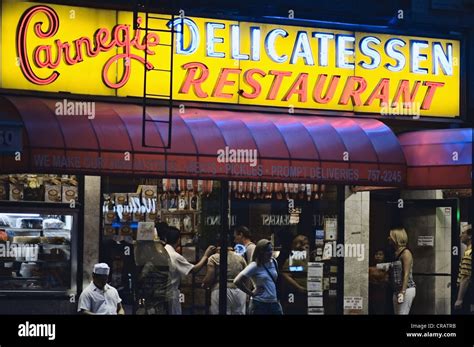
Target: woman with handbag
point(263, 271)
point(401, 273)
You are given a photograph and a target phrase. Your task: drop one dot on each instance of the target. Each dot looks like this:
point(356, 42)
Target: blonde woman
point(402, 272)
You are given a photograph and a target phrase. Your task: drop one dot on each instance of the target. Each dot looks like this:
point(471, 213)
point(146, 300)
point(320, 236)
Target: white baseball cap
point(101, 269)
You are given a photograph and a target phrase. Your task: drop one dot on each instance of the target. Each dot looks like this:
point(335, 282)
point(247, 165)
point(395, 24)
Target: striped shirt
point(465, 265)
point(396, 274)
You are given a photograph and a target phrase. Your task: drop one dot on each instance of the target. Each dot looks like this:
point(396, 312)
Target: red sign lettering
point(72, 53)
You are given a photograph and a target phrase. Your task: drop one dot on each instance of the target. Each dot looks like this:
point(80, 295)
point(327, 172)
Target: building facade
point(316, 133)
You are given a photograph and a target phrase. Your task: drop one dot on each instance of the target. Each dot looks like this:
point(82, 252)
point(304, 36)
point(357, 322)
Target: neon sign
point(301, 48)
point(228, 61)
point(103, 41)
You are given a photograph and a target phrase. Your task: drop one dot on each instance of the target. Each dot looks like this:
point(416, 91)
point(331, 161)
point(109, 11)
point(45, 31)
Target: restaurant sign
point(93, 51)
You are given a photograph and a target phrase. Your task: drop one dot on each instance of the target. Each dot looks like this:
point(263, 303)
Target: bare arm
point(120, 309)
point(196, 268)
point(463, 285)
point(377, 276)
point(463, 288)
point(293, 283)
point(203, 261)
point(240, 281)
point(86, 312)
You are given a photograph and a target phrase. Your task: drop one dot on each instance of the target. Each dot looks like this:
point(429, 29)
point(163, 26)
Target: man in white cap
point(98, 297)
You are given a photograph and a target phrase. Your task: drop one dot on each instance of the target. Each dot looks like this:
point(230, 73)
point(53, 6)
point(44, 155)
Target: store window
point(142, 267)
point(38, 233)
point(432, 227)
point(301, 221)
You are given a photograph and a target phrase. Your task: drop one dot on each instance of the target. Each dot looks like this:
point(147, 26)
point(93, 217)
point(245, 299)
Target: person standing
point(180, 266)
point(263, 271)
point(99, 298)
point(378, 285)
point(463, 301)
point(236, 299)
point(242, 235)
point(402, 273)
point(284, 238)
point(153, 287)
point(295, 275)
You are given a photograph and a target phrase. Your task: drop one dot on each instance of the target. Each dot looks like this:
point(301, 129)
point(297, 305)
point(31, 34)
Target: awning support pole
point(225, 230)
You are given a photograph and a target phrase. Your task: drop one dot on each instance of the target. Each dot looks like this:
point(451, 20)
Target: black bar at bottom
point(137, 330)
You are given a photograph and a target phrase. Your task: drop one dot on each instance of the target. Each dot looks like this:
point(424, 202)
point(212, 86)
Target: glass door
point(431, 227)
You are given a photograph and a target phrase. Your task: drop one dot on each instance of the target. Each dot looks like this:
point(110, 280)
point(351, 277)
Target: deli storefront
point(319, 139)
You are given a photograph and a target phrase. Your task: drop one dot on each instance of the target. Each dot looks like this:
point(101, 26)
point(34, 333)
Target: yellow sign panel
point(89, 51)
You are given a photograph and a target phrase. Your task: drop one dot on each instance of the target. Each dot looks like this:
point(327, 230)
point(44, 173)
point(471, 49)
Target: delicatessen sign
point(93, 51)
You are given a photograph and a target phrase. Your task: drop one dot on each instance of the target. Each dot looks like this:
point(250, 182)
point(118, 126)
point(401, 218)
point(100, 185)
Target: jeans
point(266, 308)
point(404, 308)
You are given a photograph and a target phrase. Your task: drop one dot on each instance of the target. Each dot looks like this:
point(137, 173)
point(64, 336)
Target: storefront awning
point(438, 158)
point(289, 148)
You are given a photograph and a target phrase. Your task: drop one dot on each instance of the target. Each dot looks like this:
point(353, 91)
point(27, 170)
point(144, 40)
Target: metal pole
point(341, 197)
point(144, 101)
point(455, 259)
point(225, 228)
point(170, 103)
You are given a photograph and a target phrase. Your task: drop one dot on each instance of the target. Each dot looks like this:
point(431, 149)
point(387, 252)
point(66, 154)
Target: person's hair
point(244, 231)
point(259, 251)
point(161, 229)
point(399, 236)
point(372, 260)
point(172, 235)
point(297, 238)
point(284, 238)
